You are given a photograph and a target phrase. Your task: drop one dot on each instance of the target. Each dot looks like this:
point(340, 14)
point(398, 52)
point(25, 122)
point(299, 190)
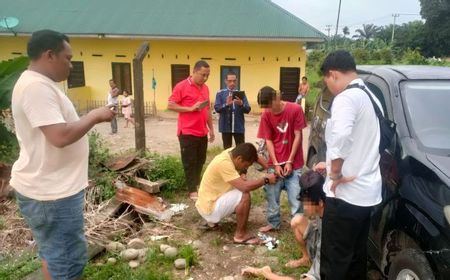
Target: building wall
point(260, 63)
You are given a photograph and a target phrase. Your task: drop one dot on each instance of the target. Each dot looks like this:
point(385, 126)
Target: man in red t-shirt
point(190, 98)
point(281, 127)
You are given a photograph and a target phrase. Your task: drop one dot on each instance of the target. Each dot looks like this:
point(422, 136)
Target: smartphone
point(203, 104)
point(239, 93)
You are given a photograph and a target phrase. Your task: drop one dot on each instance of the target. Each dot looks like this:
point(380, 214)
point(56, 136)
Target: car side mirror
point(447, 213)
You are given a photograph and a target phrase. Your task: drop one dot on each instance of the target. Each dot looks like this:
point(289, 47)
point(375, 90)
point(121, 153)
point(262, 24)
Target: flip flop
point(247, 241)
point(207, 226)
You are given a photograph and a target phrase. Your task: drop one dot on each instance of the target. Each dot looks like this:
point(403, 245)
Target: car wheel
point(314, 159)
point(410, 264)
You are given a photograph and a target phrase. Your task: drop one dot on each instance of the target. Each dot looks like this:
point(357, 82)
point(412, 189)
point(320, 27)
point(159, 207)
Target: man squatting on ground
point(281, 127)
point(51, 173)
point(190, 98)
point(231, 113)
point(223, 191)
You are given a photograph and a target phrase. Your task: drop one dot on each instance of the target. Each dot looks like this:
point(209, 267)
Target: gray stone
point(112, 260)
point(133, 264)
point(171, 252)
point(180, 263)
point(136, 243)
point(163, 247)
point(113, 246)
point(129, 254)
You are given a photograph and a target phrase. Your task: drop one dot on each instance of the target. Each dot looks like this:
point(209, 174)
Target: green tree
point(367, 32)
point(10, 71)
point(346, 31)
point(437, 27)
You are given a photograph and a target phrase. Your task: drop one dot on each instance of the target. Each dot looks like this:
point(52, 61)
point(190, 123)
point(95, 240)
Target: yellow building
point(261, 42)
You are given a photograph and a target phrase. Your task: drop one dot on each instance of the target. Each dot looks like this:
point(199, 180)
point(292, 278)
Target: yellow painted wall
point(255, 72)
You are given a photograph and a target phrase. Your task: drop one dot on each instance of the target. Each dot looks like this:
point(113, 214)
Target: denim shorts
point(58, 229)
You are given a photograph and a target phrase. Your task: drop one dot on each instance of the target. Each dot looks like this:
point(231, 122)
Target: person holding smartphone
point(190, 98)
point(231, 109)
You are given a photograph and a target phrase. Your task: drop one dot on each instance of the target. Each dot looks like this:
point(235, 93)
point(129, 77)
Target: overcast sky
point(320, 13)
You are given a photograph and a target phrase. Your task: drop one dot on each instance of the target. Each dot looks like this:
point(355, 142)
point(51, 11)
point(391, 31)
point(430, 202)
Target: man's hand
point(211, 136)
point(229, 100)
point(320, 167)
point(287, 170)
point(238, 101)
point(272, 178)
point(103, 114)
point(279, 171)
point(339, 181)
point(196, 106)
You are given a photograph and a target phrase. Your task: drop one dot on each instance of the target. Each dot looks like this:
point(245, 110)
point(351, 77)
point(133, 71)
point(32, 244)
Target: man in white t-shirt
point(50, 174)
point(353, 182)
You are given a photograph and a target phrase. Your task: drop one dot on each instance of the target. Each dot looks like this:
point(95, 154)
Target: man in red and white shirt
point(281, 127)
point(190, 98)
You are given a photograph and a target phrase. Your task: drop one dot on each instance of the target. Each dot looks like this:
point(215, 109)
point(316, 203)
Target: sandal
point(252, 240)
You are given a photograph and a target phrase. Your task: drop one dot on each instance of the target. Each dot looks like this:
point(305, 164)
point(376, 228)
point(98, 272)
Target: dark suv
point(410, 235)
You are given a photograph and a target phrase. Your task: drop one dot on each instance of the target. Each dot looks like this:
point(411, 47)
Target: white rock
point(171, 252)
point(114, 247)
point(130, 254)
point(226, 248)
point(120, 247)
point(133, 264)
point(112, 260)
point(163, 247)
point(180, 263)
point(136, 243)
point(227, 278)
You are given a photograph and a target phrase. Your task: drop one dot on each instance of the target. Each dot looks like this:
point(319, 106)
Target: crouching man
point(223, 191)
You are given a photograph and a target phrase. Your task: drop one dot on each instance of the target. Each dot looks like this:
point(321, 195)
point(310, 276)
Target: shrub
point(168, 168)
point(413, 57)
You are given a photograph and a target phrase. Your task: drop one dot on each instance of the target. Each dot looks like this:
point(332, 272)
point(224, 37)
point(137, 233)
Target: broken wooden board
point(121, 162)
point(144, 202)
point(149, 186)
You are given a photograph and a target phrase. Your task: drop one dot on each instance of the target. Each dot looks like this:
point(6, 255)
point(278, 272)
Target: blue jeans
point(292, 186)
point(58, 228)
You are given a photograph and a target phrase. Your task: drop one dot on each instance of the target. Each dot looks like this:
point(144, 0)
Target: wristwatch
point(266, 181)
point(336, 177)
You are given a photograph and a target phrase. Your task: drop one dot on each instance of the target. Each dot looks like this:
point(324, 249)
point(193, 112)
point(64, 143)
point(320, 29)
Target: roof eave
point(183, 37)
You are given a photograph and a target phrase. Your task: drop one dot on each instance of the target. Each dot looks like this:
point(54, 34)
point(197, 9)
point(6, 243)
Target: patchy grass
point(17, 267)
point(155, 267)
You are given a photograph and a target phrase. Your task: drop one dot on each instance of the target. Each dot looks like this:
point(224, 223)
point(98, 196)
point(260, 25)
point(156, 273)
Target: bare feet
point(266, 228)
point(193, 195)
point(256, 271)
point(302, 262)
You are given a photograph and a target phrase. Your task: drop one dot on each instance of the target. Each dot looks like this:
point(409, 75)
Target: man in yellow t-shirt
point(223, 191)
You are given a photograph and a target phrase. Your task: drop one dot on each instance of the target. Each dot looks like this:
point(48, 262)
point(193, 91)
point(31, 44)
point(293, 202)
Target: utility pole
point(337, 22)
point(393, 28)
point(328, 29)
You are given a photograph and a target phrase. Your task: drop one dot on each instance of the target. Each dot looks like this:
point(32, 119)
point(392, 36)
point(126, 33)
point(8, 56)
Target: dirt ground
point(219, 258)
point(161, 133)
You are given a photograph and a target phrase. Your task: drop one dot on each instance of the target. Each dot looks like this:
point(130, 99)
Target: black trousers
point(345, 229)
point(193, 156)
point(239, 138)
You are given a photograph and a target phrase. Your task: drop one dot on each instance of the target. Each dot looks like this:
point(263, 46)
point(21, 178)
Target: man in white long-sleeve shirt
point(353, 182)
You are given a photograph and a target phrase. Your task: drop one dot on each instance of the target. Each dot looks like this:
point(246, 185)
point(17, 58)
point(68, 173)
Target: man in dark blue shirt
point(231, 112)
